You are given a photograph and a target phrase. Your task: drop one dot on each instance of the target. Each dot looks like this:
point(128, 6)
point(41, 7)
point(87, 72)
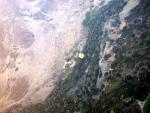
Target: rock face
point(34, 37)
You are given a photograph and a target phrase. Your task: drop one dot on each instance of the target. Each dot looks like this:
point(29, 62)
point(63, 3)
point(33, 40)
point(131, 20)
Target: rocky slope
point(113, 76)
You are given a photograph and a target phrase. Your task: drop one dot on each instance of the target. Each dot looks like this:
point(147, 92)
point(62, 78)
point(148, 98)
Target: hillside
point(113, 76)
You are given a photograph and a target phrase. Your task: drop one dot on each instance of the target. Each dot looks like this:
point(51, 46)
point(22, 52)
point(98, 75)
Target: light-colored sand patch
point(122, 25)
point(131, 4)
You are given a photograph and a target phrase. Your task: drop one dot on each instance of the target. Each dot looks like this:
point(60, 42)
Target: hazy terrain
point(41, 70)
point(34, 37)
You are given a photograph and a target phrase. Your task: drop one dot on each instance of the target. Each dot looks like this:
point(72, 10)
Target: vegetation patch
point(146, 108)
